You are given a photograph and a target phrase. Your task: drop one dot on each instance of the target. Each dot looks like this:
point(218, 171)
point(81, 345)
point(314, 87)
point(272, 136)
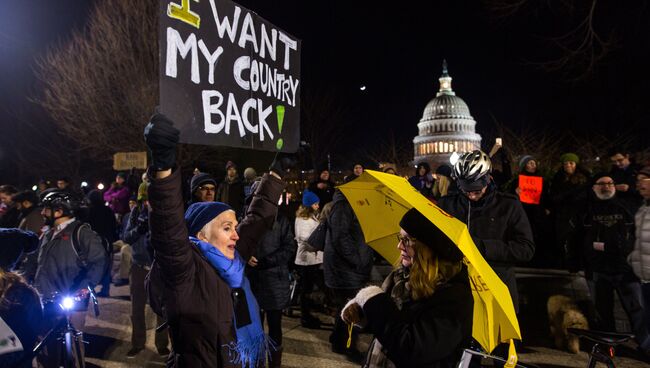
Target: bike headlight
point(67, 303)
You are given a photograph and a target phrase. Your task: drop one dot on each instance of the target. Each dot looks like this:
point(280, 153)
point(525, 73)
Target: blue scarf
point(252, 345)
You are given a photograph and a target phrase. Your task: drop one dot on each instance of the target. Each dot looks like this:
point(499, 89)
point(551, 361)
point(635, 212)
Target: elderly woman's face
point(405, 246)
point(221, 233)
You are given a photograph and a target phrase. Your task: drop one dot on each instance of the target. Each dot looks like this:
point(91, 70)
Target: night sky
point(396, 51)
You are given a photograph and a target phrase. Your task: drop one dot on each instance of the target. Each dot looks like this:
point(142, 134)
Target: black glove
point(161, 138)
point(282, 163)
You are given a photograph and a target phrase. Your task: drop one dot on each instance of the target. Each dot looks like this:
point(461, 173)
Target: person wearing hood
point(602, 240)
point(423, 179)
point(422, 314)
point(200, 258)
point(538, 215)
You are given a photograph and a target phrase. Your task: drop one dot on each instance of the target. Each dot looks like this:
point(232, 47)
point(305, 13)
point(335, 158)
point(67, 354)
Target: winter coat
point(103, 222)
point(602, 221)
point(137, 235)
point(429, 332)
point(568, 194)
point(270, 278)
point(232, 192)
point(500, 229)
point(60, 269)
point(197, 301)
point(639, 259)
point(304, 256)
point(347, 259)
point(627, 176)
point(117, 197)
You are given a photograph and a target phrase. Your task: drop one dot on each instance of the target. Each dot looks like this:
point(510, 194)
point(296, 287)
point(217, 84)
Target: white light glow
point(34, 187)
point(363, 88)
point(68, 303)
point(454, 158)
point(84, 184)
point(100, 186)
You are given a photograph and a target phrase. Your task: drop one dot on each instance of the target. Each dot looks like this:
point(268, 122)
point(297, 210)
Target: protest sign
point(530, 189)
point(129, 160)
point(229, 77)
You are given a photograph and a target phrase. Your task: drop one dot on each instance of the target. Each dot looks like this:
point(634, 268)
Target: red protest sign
point(530, 189)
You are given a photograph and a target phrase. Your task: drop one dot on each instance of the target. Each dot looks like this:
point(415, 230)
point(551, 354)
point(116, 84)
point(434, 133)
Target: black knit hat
point(419, 227)
point(200, 179)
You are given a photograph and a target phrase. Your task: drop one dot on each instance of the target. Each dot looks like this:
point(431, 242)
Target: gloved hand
point(161, 138)
point(353, 310)
point(282, 163)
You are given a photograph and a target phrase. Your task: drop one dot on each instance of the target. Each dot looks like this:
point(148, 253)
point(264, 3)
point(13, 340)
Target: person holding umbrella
point(422, 314)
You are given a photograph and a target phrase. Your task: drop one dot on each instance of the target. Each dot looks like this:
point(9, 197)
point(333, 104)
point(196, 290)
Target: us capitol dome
point(446, 127)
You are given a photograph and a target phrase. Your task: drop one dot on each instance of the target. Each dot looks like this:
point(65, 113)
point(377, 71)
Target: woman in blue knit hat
point(197, 280)
point(308, 260)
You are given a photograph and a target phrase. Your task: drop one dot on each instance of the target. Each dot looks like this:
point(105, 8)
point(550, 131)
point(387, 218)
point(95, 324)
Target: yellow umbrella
point(380, 200)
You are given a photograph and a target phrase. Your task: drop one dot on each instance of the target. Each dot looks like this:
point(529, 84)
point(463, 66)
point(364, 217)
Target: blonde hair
point(305, 212)
point(441, 186)
point(428, 271)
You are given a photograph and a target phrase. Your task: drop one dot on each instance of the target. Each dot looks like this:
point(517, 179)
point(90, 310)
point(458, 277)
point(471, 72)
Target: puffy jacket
point(232, 192)
point(639, 259)
point(60, 269)
point(304, 256)
point(197, 301)
point(347, 259)
point(604, 221)
point(270, 278)
point(500, 229)
point(118, 198)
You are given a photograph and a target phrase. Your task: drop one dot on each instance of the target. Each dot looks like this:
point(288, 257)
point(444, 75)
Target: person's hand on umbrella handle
point(353, 314)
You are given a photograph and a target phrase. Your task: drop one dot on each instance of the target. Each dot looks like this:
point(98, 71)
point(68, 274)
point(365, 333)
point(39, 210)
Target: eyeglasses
point(608, 184)
point(407, 241)
point(205, 189)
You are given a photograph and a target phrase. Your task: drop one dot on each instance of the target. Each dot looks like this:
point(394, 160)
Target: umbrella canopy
point(380, 200)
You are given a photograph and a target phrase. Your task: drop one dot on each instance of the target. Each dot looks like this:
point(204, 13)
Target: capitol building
point(446, 127)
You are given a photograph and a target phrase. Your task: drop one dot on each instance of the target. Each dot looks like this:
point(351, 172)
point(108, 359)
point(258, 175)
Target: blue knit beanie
point(200, 213)
point(309, 198)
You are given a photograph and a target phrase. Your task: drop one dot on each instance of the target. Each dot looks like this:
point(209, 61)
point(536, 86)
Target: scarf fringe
point(254, 353)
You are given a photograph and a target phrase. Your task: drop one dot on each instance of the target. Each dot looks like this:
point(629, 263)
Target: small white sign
point(9, 342)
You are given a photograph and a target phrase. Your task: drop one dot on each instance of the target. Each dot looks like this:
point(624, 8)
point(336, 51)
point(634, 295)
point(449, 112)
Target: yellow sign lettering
point(183, 13)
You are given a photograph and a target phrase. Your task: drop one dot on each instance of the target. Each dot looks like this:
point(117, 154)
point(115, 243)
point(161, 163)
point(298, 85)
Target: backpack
point(76, 246)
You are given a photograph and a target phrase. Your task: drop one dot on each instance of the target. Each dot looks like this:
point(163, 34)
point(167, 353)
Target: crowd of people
point(219, 263)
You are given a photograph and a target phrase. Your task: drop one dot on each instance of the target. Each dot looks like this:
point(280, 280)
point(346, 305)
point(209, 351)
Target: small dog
point(563, 313)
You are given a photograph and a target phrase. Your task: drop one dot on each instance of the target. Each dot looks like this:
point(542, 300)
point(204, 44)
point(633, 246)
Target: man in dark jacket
point(496, 221)
point(30, 219)
point(347, 262)
point(602, 240)
point(198, 303)
point(9, 218)
point(623, 173)
point(71, 258)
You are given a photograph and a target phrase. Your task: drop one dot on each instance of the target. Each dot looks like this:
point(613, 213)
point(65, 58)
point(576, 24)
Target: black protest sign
point(228, 77)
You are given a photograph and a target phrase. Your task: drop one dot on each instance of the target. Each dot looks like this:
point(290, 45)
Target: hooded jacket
point(197, 301)
point(639, 259)
point(347, 259)
point(500, 229)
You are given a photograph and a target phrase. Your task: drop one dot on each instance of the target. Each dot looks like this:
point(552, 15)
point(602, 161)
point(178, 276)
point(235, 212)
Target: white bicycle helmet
point(472, 166)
